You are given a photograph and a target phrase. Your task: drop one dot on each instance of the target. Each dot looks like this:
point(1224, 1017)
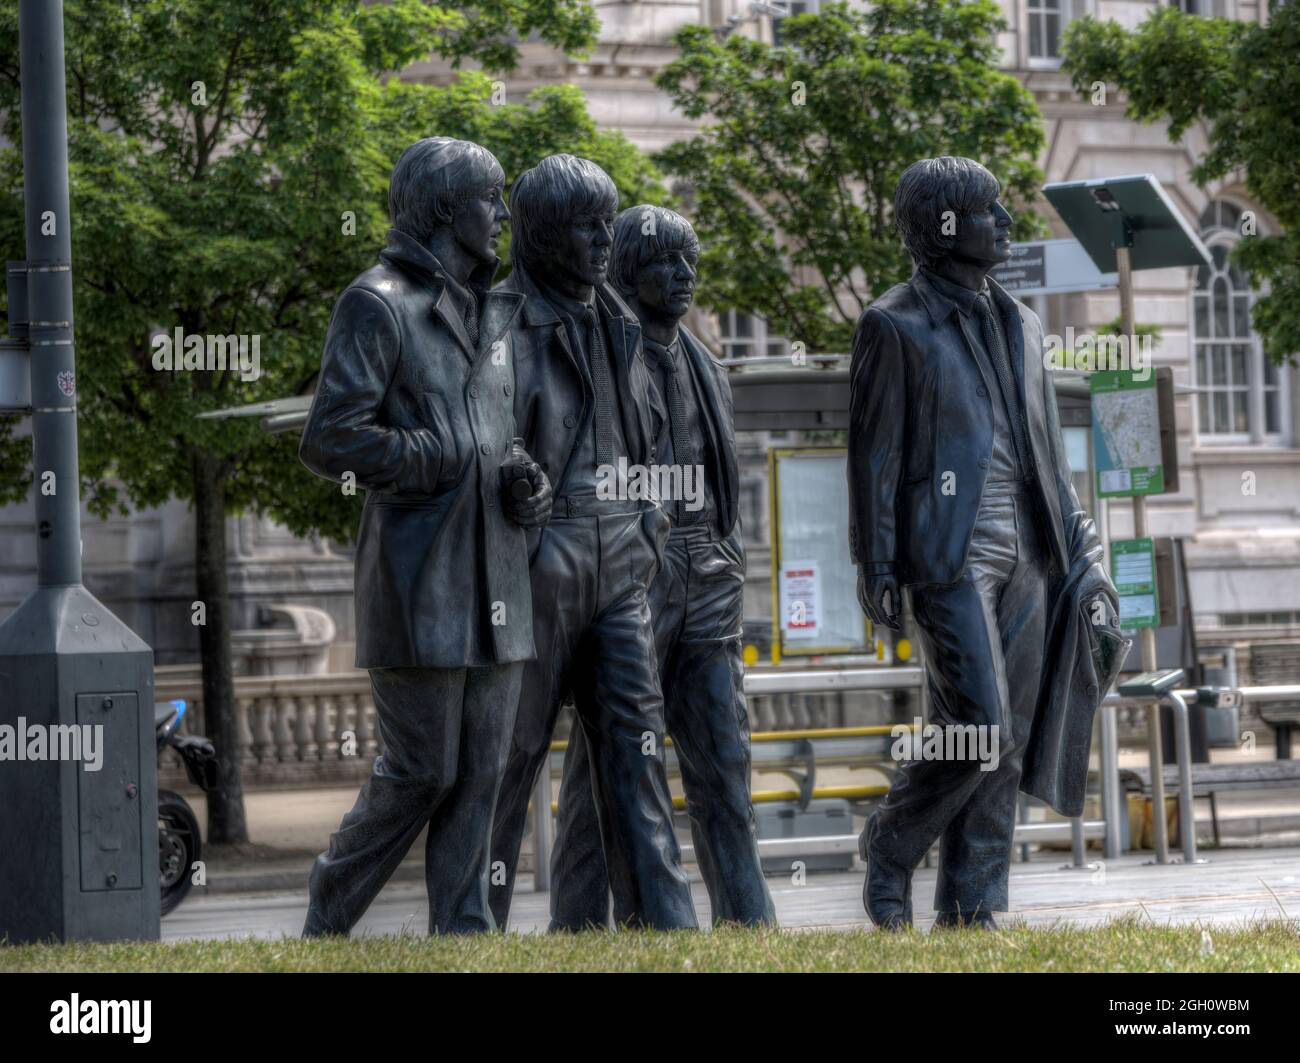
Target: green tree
point(229, 164)
point(792, 176)
point(1242, 81)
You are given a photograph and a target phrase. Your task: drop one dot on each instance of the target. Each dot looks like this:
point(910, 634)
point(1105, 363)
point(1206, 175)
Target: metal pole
point(49, 293)
point(1076, 841)
point(543, 829)
point(1112, 802)
point(1186, 798)
point(1146, 635)
point(91, 872)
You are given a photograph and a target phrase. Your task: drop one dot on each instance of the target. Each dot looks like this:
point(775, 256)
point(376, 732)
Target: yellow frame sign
point(779, 648)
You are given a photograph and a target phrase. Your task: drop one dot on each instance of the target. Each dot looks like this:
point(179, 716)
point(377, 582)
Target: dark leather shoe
point(887, 891)
point(974, 921)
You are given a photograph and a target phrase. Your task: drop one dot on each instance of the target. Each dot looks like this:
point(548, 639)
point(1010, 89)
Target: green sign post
point(1133, 571)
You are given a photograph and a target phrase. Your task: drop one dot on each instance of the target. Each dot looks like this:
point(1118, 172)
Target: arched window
point(1240, 397)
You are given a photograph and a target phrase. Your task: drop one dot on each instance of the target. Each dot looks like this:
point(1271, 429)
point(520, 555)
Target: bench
point(1209, 779)
point(1271, 663)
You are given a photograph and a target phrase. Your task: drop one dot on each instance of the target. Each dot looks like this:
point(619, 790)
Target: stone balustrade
point(304, 731)
point(294, 730)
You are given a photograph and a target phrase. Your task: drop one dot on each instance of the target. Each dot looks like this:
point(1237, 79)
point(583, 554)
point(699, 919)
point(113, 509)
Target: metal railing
point(1078, 830)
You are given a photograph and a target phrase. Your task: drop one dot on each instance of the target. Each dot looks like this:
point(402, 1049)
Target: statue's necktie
point(471, 320)
point(996, 343)
point(683, 448)
point(603, 388)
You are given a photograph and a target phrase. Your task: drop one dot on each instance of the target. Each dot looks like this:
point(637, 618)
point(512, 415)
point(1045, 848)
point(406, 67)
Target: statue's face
point(666, 284)
point(478, 223)
point(984, 236)
point(583, 251)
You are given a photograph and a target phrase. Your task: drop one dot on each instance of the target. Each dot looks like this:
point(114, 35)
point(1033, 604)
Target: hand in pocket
point(456, 453)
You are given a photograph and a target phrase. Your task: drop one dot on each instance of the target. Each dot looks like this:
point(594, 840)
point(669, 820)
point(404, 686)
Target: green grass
point(1124, 945)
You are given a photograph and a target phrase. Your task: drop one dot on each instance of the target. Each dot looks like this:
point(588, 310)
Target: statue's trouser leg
point(709, 724)
point(983, 639)
point(696, 602)
point(579, 876)
point(563, 572)
point(460, 833)
point(420, 718)
point(620, 707)
point(592, 628)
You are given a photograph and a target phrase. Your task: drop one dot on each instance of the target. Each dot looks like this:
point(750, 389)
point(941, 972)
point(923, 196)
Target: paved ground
point(1230, 886)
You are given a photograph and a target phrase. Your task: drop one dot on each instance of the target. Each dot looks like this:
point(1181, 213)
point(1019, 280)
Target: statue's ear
point(444, 209)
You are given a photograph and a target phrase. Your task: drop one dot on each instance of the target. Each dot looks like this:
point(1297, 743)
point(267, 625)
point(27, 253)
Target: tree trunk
point(226, 821)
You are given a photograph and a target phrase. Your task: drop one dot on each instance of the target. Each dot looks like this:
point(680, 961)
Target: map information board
point(1126, 433)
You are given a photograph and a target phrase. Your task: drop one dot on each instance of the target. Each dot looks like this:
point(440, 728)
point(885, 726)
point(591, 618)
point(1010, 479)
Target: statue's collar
point(406, 252)
point(941, 297)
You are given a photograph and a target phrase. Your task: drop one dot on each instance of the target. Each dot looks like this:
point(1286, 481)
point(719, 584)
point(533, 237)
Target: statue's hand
point(880, 600)
point(526, 489)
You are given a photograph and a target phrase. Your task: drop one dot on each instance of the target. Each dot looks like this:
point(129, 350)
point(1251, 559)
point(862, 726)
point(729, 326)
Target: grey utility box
point(78, 847)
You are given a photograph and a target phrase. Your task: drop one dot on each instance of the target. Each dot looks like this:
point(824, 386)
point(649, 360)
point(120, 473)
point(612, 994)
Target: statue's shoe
point(887, 891)
point(975, 921)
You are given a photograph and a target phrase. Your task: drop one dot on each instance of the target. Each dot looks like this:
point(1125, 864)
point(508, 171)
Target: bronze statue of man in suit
point(960, 492)
point(696, 600)
point(414, 406)
point(583, 405)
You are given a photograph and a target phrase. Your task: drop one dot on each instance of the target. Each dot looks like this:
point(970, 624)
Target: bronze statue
point(414, 405)
point(960, 492)
point(695, 600)
point(583, 405)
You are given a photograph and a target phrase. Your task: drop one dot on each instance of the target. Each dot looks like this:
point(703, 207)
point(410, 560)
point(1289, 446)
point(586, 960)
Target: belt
point(591, 506)
point(1007, 488)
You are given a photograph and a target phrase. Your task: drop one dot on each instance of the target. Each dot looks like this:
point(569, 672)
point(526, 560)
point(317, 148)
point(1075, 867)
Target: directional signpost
point(1045, 267)
point(1128, 223)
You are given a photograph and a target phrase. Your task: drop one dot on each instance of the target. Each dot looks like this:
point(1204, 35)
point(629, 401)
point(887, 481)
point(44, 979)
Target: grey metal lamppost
point(78, 843)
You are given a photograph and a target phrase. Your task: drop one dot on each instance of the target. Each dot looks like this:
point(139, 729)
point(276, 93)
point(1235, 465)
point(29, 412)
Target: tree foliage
point(229, 164)
point(228, 216)
point(793, 174)
point(1243, 82)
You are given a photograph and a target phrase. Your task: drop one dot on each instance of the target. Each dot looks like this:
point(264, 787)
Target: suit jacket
point(424, 419)
point(714, 386)
point(553, 393)
point(921, 407)
point(1083, 658)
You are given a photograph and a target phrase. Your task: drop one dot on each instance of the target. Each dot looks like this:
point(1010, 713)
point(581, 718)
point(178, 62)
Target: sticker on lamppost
point(1126, 433)
point(1133, 570)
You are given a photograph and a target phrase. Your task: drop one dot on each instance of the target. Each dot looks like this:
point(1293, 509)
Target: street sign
point(1044, 267)
point(1133, 571)
point(1126, 433)
point(1100, 211)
